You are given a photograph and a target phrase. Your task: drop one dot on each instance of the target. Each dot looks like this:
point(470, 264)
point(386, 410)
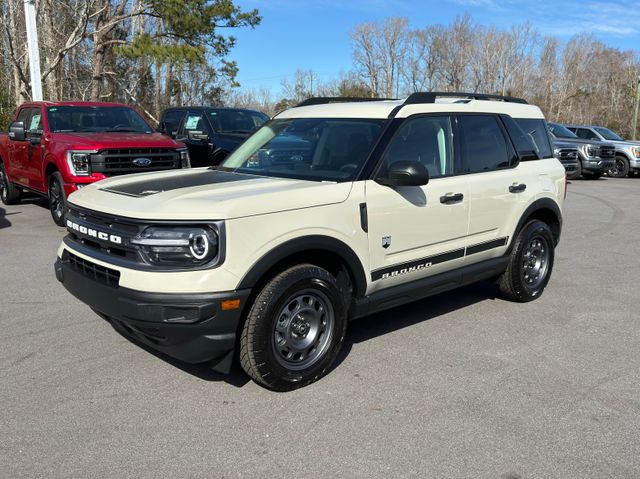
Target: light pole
point(32, 46)
point(635, 112)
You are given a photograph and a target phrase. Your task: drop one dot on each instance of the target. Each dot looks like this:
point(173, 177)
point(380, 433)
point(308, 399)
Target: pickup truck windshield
point(96, 119)
point(319, 149)
point(607, 134)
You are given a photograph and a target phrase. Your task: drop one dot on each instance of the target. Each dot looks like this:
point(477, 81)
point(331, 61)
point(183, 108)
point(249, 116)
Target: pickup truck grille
point(567, 154)
point(123, 161)
point(607, 152)
point(108, 276)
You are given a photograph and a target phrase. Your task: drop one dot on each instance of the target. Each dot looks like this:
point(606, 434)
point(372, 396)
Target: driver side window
point(426, 140)
point(195, 121)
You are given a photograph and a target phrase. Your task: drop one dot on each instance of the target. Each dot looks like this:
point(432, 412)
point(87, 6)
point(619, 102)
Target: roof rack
point(430, 97)
point(321, 100)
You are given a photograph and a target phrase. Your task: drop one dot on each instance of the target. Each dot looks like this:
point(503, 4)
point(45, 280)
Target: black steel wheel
point(294, 330)
point(9, 194)
point(57, 199)
point(530, 263)
point(620, 168)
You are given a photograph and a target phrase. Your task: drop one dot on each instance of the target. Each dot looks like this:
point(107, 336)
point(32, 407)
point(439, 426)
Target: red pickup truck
point(54, 148)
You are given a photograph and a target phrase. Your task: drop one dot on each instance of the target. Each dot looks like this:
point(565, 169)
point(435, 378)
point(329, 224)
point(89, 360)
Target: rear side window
point(585, 133)
point(484, 146)
point(536, 131)
point(172, 121)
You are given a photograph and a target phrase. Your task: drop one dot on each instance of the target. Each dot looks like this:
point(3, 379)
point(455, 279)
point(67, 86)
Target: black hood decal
point(147, 187)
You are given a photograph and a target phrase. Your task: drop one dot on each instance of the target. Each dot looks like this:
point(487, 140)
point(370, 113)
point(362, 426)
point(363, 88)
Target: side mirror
point(16, 131)
point(195, 135)
point(405, 173)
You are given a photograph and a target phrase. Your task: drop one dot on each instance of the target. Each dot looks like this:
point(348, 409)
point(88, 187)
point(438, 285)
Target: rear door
point(418, 231)
point(498, 187)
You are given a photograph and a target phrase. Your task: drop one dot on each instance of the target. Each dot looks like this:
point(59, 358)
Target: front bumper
point(634, 164)
point(190, 327)
point(597, 164)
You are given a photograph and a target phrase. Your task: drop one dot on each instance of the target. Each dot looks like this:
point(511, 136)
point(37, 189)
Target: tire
point(219, 157)
point(620, 168)
point(530, 263)
point(294, 330)
point(57, 198)
point(9, 194)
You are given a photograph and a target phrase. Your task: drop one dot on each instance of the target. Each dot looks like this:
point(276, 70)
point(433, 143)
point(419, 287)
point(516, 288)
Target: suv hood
point(96, 141)
point(204, 194)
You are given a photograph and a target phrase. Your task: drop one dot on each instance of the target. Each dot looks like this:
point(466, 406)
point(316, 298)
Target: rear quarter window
point(536, 131)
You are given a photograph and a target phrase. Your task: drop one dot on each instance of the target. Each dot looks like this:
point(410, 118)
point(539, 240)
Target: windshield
point(607, 134)
point(318, 149)
point(96, 119)
point(237, 121)
point(560, 131)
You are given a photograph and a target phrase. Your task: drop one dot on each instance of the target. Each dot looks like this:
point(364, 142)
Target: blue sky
point(314, 34)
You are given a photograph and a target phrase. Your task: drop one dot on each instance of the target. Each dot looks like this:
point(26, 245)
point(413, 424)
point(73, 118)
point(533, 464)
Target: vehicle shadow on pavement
point(394, 319)
point(236, 376)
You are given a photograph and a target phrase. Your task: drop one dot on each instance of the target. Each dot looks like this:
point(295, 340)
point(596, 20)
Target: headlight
point(556, 152)
point(185, 161)
point(79, 162)
point(179, 246)
point(636, 151)
point(592, 151)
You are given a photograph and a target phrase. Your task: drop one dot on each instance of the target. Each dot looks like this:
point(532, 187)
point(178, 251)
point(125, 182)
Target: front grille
point(120, 161)
point(607, 152)
point(567, 154)
point(108, 224)
point(108, 276)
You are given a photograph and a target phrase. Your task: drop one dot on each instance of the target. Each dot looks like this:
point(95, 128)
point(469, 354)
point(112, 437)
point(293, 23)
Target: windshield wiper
point(123, 130)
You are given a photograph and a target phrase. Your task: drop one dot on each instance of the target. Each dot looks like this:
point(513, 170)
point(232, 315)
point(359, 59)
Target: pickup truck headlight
point(79, 162)
point(592, 150)
point(179, 246)
point(185, 160)
point(556, 152)
point(636, 151)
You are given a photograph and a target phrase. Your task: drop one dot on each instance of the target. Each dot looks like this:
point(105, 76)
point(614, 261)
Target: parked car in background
point(627, 152)
point(596, 157)
point(210, 133)
point(55, 148)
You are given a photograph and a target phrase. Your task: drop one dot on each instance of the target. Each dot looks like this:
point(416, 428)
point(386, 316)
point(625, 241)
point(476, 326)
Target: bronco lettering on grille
point(101, 235)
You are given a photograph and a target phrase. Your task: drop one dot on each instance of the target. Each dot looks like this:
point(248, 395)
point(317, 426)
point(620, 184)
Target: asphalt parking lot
point(463, 384)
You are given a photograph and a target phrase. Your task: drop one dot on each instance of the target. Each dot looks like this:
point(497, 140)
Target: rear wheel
point(9, 194)
point(620, 168)
point(57, 198)
point(294, 330)
point(530, 264)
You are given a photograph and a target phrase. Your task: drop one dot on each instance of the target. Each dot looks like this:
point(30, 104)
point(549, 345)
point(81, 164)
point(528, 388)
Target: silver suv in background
point(596, 157)
point(627, 158)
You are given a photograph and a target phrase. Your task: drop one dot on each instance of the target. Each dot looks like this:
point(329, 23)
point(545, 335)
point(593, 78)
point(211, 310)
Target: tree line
point(159, 53)
point(153, 53)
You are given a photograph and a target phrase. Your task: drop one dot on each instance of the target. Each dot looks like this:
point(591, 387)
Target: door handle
point(517, 188)
point(449, 199)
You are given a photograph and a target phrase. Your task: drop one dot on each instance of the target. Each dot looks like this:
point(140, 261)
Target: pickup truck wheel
point(620, 168)
point(530, 263)
point(57, 199)
point(9, 194)
point(294, 330)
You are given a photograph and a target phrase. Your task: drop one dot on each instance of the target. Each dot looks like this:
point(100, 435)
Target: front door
point(19, 151)
point(32, 166)
point(418, 231)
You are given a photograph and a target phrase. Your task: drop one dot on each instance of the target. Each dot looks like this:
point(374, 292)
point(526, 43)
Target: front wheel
point(620, 168)
point(57, 198)
point(9, 194)
point(530, 263)
point(294, 330)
